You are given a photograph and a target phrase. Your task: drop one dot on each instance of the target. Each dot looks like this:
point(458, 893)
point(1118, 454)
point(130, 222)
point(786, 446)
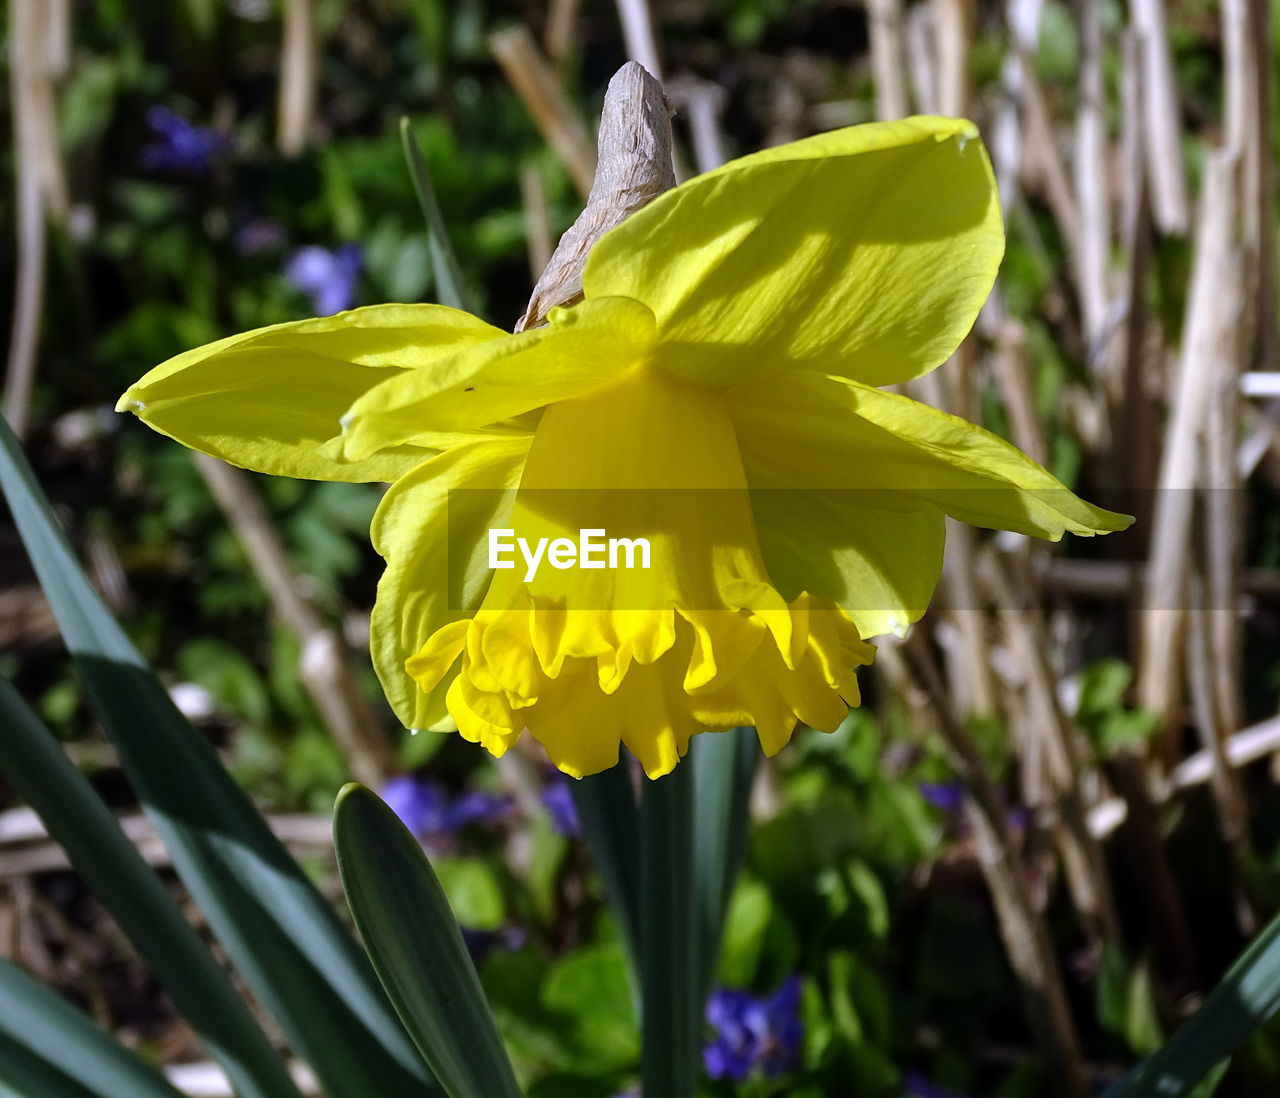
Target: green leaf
point(276, 928)
point(48, 1049)
point(671, 975)
point(746, 927)
point(450, 286)
point(473, 892)
point(610, 820)
point(1246, 997)
point(588, 989)
point(417, 948)
point(35, 766)
point(724, 768)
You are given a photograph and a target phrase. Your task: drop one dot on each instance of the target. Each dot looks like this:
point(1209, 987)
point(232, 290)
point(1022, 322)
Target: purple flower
point(181, 146)
point(947, 796)
point(429, 812)
point(754, 1033)
point(476, 808)
point(329, 278)
point(480, 943)
point(418, 801)
point(917, 1086)
point(557, 799)
point(258, 236)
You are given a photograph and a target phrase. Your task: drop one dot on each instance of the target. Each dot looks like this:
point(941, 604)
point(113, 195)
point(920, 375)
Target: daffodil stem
point(724, 769)
point(670, 973)
point(610, 820)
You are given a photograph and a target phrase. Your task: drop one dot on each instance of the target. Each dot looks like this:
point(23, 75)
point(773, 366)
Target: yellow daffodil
point(717, 391)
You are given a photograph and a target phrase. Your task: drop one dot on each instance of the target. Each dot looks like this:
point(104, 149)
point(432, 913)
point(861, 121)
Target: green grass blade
point(36, 767)
point(724, 768)
point(610, 820)
point(450, 285)
point(277, 929)
point(417, 948)
point(1246, 997)
point(48, 1049)
point(670, 976)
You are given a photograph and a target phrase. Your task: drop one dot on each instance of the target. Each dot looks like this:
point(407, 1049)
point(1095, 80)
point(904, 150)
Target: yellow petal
point(881, 566)
point(579, 351)
point(431, 528)
point(871, 248)
point(269, 399)
point(691, 638)
point(879, 449)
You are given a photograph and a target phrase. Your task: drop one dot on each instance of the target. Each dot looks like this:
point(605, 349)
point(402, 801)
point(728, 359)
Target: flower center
point(586, 656)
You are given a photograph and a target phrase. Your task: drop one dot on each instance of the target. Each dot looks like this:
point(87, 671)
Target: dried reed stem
point(1209, 327)
point(1082, 855)
point(637, 32)
point(1026, 937)
point(1093, 245)
point(324, 662)
point(299, 88)
point(888, 58)
point(534, 80)
point(39, 35)
point(537, 218)
point(1160, 113)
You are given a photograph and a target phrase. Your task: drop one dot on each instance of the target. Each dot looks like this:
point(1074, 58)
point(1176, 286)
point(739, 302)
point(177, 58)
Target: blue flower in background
point(259, 235)
point(418, 801)
point(557, 799)
point(480, 943)
point(181, 146)
point(329, 278)
point(947, 796)
point(429, 812)
point(754, 1033)
point(477, 808)
point(917, 1086)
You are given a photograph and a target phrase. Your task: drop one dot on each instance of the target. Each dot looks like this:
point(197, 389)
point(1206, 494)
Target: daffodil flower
point(718, 387)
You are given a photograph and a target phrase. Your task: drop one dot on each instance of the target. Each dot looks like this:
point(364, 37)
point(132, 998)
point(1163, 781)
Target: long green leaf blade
point(1246, 997)
point(724, 768)
point(277, 929)
point(670, 976)
point(450, 285)
point(610, 820)
point(48, 1049)
point(417, 948)
point(36, 767)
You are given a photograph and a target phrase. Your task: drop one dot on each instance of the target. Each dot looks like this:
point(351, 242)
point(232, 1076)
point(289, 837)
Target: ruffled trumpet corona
point(717, 389)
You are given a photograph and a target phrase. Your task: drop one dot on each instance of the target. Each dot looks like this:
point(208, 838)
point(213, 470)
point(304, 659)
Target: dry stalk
point(953, 33)
point(1208, 329)
point(324, 664)
point(921, 57)
point(1167, 175)
point(537, 218)
point(560, 30)
point(1026, 938)
point(1093, 245)
point(534, 80)
point(637, 32)
point(39, 34)
point(701, 103)
point(298, 77)
point(885, 26)
point(1012, 371)
point(1082, 855)
point(1044, 153)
